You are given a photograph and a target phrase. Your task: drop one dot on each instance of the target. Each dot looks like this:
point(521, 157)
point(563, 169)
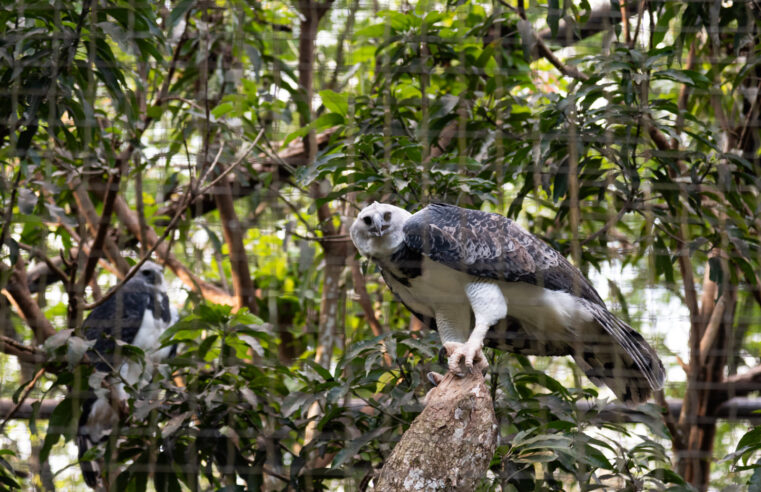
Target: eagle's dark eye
point(367, 220)
point(387, 216)
point(150, 276)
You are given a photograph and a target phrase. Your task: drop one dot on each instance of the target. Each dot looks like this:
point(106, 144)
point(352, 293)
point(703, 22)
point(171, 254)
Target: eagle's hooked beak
point(378, 227)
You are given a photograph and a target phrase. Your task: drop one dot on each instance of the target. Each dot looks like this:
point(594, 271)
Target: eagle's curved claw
point(470, 355)
point(435, 378)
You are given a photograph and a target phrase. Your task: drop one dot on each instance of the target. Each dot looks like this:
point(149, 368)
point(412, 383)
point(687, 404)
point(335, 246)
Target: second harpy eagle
point(451, 265)
point(136, 314)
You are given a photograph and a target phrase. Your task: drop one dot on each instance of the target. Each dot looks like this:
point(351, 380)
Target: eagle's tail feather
point(94, 427)
point(89, 471)
point(630, 367)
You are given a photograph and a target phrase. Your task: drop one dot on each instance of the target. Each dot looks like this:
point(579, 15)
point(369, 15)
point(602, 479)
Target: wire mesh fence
point(235, 143)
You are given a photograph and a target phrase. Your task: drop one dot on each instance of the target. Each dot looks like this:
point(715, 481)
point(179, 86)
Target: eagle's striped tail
point(630, 367)
point(89, 468)
point(94, 427)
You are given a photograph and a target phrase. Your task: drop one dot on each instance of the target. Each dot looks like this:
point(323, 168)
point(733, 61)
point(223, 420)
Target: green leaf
point(335, 102)
point(206, 345)
point(553, 16)
point(222, 109)
point(188, 328)
point(687, 77)
point(76, 349)
point(374, 31)
point(354, 446)
point(324, 373)
point(179, 11)
point(60, 423)
point(57, 340)
point(754, 483)
point(716, 273)
point(325, 120)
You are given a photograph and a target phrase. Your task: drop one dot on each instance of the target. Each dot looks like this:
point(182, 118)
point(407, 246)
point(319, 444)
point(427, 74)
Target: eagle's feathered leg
point(489, 307)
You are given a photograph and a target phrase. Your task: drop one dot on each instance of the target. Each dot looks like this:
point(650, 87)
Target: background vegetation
point(234, 141)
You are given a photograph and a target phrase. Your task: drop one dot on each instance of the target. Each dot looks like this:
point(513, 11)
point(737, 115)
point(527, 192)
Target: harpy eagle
point(454, 268)
point(137, 314)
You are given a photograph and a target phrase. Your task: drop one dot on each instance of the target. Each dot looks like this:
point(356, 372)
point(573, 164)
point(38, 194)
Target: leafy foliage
point(639, 162)
point(553, 434)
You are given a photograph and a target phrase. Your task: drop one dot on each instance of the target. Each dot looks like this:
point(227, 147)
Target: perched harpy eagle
point(449, 265)
point(137, 314)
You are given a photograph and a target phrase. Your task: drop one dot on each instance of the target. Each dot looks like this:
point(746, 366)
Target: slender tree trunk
point(334, 254)
point(704, 392)
point(243, 284)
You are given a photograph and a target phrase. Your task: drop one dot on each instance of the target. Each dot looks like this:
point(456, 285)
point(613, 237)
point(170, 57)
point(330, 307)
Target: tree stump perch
point(450, 444)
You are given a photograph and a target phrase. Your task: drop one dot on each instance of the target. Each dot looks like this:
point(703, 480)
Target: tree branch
point(21, 400)
point(209, 291)
point(243, 284)
point(24, 353)
point(600, 19)
point(526, 29)
point(17, 291)
point(87, 208)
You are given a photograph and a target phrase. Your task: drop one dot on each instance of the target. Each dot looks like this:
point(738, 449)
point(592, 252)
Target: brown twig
point(42, 256)
point(625, 23)
point(677, 440)
point(640, 14)
point(87, 208)
point(25, 393)
point(23, 352)
point(610, 223)
point(545, 52)
point(112, 189)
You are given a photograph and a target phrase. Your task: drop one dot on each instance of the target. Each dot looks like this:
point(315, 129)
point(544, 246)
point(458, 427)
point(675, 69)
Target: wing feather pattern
point(120, 318)
point(492, 246)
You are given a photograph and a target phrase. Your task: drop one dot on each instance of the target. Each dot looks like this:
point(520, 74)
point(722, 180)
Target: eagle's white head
point(377, 232)
point(149, 277)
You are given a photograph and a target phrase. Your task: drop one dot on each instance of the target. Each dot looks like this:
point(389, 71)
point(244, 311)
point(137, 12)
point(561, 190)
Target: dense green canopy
point(234, 142)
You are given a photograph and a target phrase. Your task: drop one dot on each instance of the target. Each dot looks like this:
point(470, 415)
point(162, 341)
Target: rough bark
point(450, 444)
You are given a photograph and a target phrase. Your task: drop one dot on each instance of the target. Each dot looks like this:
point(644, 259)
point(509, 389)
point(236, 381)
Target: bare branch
point(24, 353)
point(17, 291)
point(600, 19)
point(112, 190)
point(526, 29)
point(21, 400)
point(87, 208)
point(209, 291)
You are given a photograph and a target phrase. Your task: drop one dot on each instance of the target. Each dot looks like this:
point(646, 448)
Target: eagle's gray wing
point(120, 318)
point(492, 246)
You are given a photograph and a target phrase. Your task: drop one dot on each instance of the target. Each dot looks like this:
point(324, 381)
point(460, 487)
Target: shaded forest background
point(234, 142)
